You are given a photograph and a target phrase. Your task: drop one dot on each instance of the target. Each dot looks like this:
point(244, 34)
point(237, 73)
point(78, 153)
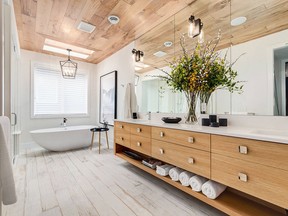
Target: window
point(55, 96)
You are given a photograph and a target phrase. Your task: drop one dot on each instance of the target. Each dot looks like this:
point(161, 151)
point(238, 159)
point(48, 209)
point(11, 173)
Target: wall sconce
point(195, 28)
point(68, 67)
point(138, 55)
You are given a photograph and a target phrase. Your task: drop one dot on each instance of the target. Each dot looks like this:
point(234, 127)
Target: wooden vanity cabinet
point(264, 182)
point(257, 169)
point(189, 159)
point(190, 139)
point(185, 149)
point(255, 151)
point(122, 134)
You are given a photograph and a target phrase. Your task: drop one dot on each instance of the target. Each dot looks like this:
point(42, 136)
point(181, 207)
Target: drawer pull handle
point(138, 130)
point(191, 160)
point(122, 138)
point(161, 151)
point(191, 139)
point(139, 144)
point(161, 134)
point(243, 177)
point(243, 149)
point(121, 126)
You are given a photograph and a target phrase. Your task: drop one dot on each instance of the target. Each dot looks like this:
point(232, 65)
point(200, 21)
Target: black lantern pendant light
point(68, 68)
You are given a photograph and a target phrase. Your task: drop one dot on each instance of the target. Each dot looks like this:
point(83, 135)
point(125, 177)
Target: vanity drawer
point(141, 144)
point(122, 139)
point(266, 153)
point(122, 133)
point(264, 182)
point(121, 128)
point(141, 130)
point(193, 160)
point(185, 138)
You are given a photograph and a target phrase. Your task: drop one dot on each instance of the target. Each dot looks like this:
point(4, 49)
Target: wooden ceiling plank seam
point(56, 17)
point(44, 8)
point(28, 7)
point(18, 14)
point(104, 25)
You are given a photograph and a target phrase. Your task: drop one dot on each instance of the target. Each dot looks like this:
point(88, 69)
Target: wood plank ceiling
point(58, 20)
point(264, 17)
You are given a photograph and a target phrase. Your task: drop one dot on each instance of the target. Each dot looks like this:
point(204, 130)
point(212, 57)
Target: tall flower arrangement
point(198, 73)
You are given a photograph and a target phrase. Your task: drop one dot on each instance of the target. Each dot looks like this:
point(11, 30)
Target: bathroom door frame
point(1, 59)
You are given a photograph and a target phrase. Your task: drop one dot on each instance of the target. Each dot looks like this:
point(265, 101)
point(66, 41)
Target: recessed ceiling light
point(238, 21)
point(64, 51)
point(113, 19)
point(160, 54)
point(168, 43)
point(86, 27)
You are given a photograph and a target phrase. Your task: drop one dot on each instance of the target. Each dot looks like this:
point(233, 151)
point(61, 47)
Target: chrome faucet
point(64, 122)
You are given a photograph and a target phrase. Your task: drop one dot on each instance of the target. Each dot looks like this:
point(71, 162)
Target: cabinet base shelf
point(228, 202)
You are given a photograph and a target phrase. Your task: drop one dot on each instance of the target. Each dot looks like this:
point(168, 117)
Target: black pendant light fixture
point(195, 28)
point(138, 55)
point(68, 67)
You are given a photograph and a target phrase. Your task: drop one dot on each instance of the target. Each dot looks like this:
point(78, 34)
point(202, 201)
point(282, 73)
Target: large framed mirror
point(261, 41)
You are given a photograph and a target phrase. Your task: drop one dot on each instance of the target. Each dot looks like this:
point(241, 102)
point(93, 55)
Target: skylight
point(61, 48)
point(64, 52)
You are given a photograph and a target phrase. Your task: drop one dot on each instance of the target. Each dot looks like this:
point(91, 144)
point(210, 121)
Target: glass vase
point(191, 117)
point(204, 99)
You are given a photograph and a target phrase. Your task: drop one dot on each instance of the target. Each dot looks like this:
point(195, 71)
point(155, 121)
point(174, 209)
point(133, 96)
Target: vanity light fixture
point(195, 27)
point(138, 55)
point(68, 67)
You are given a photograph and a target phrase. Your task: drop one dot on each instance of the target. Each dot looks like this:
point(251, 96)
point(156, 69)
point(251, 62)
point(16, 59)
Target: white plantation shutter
point(54, 95)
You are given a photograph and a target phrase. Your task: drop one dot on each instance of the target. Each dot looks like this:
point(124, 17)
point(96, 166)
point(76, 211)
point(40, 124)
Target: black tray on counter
point(172, 120)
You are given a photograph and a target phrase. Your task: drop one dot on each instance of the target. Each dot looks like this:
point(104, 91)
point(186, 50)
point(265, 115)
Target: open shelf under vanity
point(229, 202)
point(232, 201)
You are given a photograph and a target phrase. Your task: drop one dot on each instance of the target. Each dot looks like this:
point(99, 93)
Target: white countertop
point(277, 136)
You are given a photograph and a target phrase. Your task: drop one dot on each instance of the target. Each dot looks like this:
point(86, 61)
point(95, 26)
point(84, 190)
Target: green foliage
point(202, 71)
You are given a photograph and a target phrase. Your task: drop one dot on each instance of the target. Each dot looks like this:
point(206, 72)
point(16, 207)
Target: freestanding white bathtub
point(63, 138)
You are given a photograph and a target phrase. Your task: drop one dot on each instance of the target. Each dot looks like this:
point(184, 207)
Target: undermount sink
point(271, 132)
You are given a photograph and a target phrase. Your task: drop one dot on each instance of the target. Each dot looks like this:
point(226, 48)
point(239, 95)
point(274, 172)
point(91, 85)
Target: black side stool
point(100, 129)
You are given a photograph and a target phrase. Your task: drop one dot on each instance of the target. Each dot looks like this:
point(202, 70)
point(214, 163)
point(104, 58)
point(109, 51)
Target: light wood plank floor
point(82, 182)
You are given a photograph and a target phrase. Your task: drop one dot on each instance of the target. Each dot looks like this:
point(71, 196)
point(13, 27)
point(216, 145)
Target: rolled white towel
point(212, 189)
point(174, 173)
point(196, 182)
point(163, 170)
point(184, 177)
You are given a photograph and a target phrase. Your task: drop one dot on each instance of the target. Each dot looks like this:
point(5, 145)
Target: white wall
point(27, 123)
point(256, 67)
point(122, 62)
